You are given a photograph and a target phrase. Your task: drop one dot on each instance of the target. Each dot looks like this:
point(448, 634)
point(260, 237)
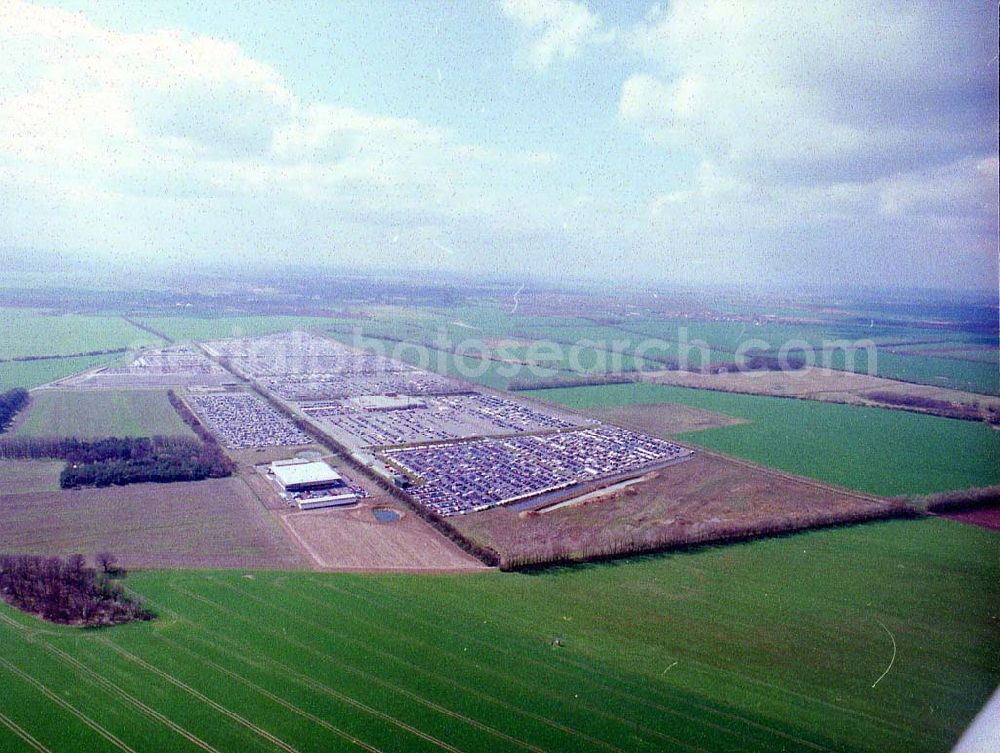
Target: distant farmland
point(34, 333)
point(104, 413)
point(874, 450)
point(36, 373)
point(187, 328)
point(779, 645)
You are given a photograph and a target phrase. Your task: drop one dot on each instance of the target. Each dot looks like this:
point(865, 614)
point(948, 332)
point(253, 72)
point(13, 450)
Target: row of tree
point(58, 356)
point(12, 402)
point(966, 411)
point(123, 460)
point(67, 591)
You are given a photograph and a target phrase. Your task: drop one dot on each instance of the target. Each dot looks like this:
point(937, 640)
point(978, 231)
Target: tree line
point(123, 460)
point(12, 402)
point(67, 591)
point(58, 356)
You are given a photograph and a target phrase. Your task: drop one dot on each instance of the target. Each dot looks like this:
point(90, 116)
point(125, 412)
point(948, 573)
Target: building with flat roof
point(387, 402)
point(303, 475)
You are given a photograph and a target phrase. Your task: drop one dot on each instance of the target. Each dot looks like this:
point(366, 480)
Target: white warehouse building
point(312, 484)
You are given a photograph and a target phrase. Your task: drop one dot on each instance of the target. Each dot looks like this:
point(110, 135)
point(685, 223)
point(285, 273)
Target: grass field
point(777, 645)
point(481, 324)
point(29, 332)
point(35, 373)
point(105, 413)
point(873, 450)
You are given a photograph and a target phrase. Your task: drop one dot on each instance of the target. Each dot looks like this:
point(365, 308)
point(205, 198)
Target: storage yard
point(244, 420)
point(160, 367)
point(413, 412)
point(435, 419)
point(472, 476)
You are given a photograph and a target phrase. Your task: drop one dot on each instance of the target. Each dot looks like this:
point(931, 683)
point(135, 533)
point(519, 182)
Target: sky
point(750, 143)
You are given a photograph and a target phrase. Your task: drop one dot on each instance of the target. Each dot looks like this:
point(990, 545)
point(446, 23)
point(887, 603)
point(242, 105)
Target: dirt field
point(23, 476)
point(987, 517)
point(214, 523)
point(704, 499)
point(352, 539)
point(661, 419)
point(817, 384)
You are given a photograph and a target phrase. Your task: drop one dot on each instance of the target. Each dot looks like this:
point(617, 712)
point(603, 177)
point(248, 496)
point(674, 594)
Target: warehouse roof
point(308, 472)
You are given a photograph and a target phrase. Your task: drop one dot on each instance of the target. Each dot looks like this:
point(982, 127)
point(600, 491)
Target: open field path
point(695, 714)
point(491, 670)
point(671, 702)
point(61, 703)
point(104, 685)
point(23, 734)
point(464, 690)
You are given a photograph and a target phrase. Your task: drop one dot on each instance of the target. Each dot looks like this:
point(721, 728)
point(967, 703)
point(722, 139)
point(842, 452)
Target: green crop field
point(871, 638)
point(876, 450)
point(34, 373)
point(36, 333)
point(104, 413)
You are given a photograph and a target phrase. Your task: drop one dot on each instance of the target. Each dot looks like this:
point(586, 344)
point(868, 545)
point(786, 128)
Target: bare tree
point(107, 561)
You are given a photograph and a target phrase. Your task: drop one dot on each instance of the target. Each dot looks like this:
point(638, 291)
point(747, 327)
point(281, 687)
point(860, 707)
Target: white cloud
point(844, 140)
point(804, 92)
point(170, 125)
point(556, 29)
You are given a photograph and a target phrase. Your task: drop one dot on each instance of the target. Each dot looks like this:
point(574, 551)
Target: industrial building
point(312, 484)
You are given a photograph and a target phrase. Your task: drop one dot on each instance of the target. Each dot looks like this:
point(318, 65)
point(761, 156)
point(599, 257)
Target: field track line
point(62, 703)
point(277, 699)
point(624, 694)
point(96, 679)
point(332, 660)
point(704, 668)
point(260, 731)
point(315, 683)
point(545, 720)
point(23, 734)
point(492, 699)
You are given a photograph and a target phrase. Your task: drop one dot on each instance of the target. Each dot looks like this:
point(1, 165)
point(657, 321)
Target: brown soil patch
point(213, 523)
point(659, 419)
point(498, 343)
point(708, 498)
point(986, 517)
point(352, 539)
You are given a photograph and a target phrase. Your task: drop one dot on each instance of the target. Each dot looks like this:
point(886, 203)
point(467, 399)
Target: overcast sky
point(829, 142)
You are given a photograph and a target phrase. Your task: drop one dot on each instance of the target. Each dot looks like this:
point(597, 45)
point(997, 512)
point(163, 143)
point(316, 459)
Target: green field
point(104, 413)
point(479, 323)
point(28, 332)
point(35, 373)
point(781, 644)
point(886, 452)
